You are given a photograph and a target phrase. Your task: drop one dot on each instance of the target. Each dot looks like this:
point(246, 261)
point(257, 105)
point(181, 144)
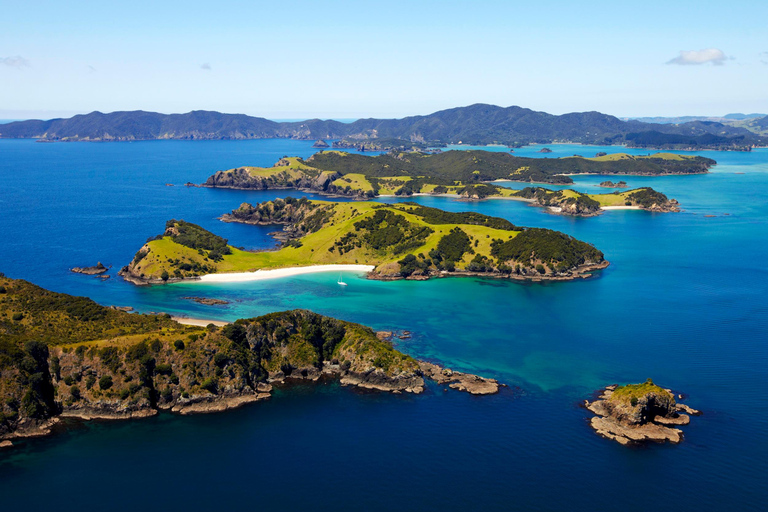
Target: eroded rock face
point(639, 413)
point(472, 384)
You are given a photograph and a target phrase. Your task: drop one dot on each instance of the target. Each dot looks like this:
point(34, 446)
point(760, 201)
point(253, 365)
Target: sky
point(343, 59)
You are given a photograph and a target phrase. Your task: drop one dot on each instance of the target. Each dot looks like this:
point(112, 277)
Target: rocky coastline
point(580, 272)
point(370, 379)
point(639, 413)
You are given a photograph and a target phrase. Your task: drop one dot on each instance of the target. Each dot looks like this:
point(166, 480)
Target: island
point(637, 413)
point(395, 241)
point(610, 184)
point(385, 144)
point(406, 173)
point(571, 202)
point(321, 144)
point(68, 357)
point(95, 270)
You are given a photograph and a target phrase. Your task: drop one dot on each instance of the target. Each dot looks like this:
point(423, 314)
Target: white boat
point(340, 282)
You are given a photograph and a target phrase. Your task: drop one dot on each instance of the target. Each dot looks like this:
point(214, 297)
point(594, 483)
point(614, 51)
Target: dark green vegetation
point(193, 236)
point(117, 364)
point(380, 144)
point(410, 240)
point(538, 246)
point(460, 172)
point(474, 124)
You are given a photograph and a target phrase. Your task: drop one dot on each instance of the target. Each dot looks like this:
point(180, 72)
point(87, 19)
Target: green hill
point(400, 240)
point(474, 124)
point(338, 173)
point(68, 356)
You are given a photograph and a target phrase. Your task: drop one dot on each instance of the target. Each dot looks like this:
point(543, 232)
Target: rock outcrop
point(91, 271)
point(639, 413)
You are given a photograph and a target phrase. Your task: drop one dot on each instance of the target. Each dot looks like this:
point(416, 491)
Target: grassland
point(400, 240)
point(404, 173)
point(633, 392)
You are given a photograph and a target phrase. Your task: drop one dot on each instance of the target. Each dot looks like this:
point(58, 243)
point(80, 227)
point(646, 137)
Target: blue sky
point(296, 59)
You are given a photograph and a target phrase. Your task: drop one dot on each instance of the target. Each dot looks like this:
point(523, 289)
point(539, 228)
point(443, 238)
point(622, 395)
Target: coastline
point(261, 275)
point(197, 322)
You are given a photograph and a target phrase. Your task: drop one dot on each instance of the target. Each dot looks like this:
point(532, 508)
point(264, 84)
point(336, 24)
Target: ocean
point(685, 302)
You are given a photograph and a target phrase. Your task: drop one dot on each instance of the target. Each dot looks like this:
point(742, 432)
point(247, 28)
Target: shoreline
point(198, 322)
point(261, 275)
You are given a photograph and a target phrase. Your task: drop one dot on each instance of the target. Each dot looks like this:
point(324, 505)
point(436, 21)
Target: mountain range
point(475, 124)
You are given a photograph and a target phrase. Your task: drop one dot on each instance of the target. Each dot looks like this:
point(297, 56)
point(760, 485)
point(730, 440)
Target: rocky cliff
point(638, 413)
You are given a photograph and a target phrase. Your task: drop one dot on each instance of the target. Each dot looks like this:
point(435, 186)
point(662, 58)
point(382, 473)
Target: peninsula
point(406, 173)
point(638, 413)
point(403, 240)
point(68, 357)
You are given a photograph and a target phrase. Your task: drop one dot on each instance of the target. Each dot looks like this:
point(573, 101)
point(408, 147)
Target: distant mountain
point(475, 124)
point(688, 119)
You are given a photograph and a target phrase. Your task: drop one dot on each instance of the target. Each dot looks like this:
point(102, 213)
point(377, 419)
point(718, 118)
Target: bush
point(105, 382)
point(210, 385)
point(75, 392)
point(17, 317)
point(164, 276)
point(179, 345)
point(163, 369)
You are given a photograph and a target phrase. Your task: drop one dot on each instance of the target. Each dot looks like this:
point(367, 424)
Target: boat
point(340, 282)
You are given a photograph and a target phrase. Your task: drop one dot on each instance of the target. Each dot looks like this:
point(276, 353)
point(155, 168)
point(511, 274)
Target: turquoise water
point(684, 302)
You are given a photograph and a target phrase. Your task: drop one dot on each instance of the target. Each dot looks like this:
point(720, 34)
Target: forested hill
point(474, 124)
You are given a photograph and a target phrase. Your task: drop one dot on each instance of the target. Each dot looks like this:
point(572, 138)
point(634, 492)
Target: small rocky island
point(638, 413)
point(320, 144)
point(610, 184)
point(545, 150)
point(97, 269)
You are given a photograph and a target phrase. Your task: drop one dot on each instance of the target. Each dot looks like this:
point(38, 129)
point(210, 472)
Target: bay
point(683, 302)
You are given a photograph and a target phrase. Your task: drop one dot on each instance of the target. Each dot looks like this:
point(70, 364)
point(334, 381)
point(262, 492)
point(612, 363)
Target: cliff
point(638, 413)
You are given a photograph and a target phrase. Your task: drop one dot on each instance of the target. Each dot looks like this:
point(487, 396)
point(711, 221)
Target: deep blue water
point(684, 302)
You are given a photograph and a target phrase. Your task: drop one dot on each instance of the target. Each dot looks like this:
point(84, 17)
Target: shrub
point(105, 382)
point(179, 345)
point(164, 276)
point(210, 384)
point(17, 317)
point(75, 392)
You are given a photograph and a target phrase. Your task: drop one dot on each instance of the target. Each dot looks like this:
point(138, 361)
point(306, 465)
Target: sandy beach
point(621, 208)
point(197, 321)
point(260, 275)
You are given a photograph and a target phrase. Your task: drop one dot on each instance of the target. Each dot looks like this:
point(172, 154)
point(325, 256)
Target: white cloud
point(17, 62)
point(205, 66)
point(710, 55)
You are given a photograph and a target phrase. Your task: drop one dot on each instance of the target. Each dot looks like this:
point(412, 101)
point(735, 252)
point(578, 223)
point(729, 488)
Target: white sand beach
point(260, 275)
point(197, 321)
point(621, 208)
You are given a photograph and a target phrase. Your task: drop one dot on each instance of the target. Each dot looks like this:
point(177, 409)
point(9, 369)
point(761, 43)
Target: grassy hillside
point(67, 355)
point(401, 240)
point(450, 172)
point(578, 203)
